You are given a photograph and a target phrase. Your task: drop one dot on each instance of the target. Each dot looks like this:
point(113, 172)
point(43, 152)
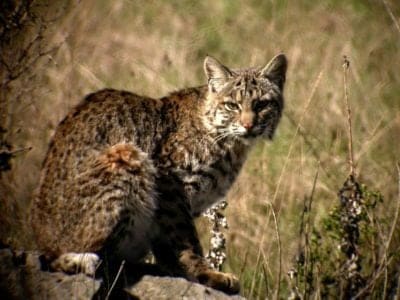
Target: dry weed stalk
point(217, 253)
point(346, 66)
point(351, 208)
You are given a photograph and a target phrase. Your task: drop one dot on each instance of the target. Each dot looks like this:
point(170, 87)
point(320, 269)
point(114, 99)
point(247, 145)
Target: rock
point(163, 288)
point(21, 277)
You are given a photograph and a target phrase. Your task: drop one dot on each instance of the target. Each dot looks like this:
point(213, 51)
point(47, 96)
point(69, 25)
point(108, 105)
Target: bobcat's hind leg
point(129, 239)
point(73, 263)
point(110, 203)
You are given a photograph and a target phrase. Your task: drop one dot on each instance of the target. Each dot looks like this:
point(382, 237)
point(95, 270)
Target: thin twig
point(267, 268)
point(389, 11)
point(250, 296)
point(397, 296)
point(244, 263)
point(346, 66)
point(394, 223)
point(115, 279)
point(376, 135)
point(291, 146)
point(307, 252)
point(18, 151)
point(385, 261)
point(373, 280)
point(313, 150)
point(278, 238)
point(313, 90)
point(396, 216)
point(266, 280)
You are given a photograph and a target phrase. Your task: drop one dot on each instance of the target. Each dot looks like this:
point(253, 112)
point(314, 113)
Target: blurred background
point(55, 52)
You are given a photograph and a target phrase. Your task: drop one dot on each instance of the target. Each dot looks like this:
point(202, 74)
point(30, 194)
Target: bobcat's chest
point(207, 181)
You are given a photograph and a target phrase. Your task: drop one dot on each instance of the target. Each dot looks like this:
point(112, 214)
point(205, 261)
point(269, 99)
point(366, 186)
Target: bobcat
point(126, 174)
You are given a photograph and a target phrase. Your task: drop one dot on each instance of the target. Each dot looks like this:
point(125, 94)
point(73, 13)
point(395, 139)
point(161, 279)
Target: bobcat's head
point(244, 103)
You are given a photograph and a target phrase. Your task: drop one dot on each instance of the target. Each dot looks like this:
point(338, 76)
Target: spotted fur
point(125, 173)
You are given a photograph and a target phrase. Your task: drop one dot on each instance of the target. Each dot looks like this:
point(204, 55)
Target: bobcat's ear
point(217, 74)
point(275, 70)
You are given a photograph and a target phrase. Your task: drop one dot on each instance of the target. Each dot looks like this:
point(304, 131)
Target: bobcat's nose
point(247, 125)
point(246, 120)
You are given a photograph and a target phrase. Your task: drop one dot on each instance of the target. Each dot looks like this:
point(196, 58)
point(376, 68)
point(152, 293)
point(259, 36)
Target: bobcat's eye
point(260, 105)
point(231, 106)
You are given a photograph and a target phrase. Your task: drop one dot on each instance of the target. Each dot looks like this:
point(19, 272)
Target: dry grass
point(158, 46)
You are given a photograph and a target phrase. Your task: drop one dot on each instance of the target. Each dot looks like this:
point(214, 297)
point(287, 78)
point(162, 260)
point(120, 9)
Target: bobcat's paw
point(225, 282)
point(73, 263)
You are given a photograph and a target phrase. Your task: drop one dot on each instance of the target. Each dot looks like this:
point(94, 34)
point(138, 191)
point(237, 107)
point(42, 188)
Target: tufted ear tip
point(275, 70)
point(217, 74)
point(281, 58)
point(214, 69)
point(209, 61)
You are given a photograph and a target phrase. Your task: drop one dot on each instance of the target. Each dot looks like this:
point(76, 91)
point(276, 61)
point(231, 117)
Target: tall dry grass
point(155, 47)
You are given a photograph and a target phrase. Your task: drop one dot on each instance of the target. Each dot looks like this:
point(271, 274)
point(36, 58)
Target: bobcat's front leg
point(195, 264)
point(177, 246)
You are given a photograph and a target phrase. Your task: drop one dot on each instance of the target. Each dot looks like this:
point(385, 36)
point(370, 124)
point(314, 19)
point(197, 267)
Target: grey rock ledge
point(22, 278)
